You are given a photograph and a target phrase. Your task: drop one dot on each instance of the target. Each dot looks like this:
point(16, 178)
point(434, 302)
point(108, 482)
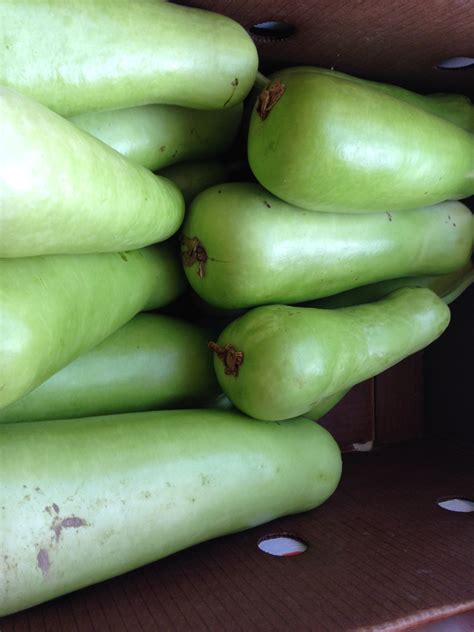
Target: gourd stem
point(230, 357)
point(261, 81)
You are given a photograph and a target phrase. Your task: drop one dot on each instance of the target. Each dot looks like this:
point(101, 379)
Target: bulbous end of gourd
point(338, 160)
point(325, 454)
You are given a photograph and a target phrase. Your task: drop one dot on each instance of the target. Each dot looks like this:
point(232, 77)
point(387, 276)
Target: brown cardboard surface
point(399, 41)
point(380, 552)
point(399, 401)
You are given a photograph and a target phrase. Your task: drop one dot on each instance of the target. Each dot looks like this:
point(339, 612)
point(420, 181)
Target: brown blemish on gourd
point(267, 204)
point(71, 522)
point(389, 215)
point(268, 97)
point(228, 354)
point(193, 251)
point(43, 561)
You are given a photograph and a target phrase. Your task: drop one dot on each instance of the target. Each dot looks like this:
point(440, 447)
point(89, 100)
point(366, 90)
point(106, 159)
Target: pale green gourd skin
point(142, 486)
point(85, 55)
point(54, 308)
point(156, 136)
point(295, 357)
point(151, 363)
point(222, 402)
point(262, 250)
point(325, 405)
point(64, 192)
point(455, 108)
point(447, 286)
point(335, 145)
point(195, 176)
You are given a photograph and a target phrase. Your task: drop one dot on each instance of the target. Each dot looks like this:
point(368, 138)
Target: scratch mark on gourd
point(234, 85)
point(205, 480)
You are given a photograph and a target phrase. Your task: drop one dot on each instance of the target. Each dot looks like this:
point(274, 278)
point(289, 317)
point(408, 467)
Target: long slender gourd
point(278, 362)
point(156, 136)
point(85, 55)
point(53, 309)
point(447, 286)
point(243, 247)
point(324, 143)
point(64, 192)
point(84, 500)
point(153, 362)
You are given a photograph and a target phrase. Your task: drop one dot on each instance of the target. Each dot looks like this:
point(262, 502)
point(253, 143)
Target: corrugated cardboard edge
point(421, 618)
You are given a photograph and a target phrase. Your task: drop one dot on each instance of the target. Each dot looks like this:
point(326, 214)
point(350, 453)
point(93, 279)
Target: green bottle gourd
point(242, 247)
point(153, 362)
point(53, 309)
point(64, 192)
point(156, 136)
point(277, 361)
point(86, 55)
point(322, 142)
point(88, 499)
point(447, 286)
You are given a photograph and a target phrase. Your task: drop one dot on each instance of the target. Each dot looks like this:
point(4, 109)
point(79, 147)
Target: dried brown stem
point(231, 358)
point(191, 252)
point(268, 97)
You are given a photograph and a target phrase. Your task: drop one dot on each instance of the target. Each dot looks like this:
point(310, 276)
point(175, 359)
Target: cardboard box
point(382, 554)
